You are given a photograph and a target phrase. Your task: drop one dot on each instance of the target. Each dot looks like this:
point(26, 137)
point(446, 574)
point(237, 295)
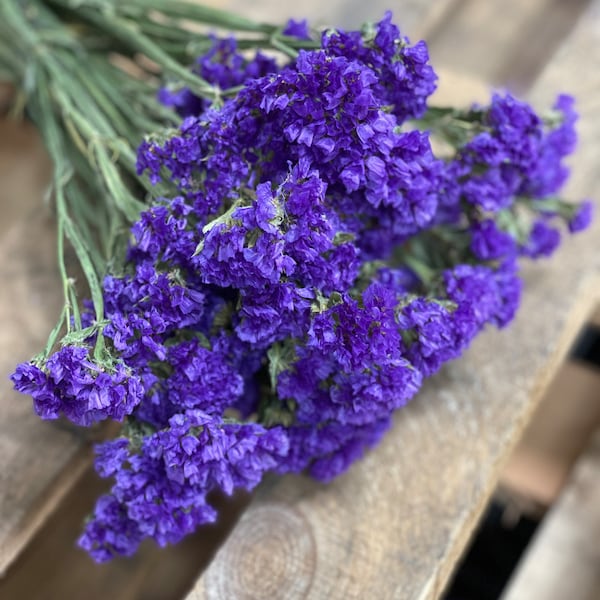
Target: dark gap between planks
point(500, 542)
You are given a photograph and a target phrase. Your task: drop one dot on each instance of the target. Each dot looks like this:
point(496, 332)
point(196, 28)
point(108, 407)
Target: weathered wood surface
point(560, 429)
point(394, 526)
point(33, 455)
point(506, 43)
point(416, 17)
point(51, 567)
point(563, 560)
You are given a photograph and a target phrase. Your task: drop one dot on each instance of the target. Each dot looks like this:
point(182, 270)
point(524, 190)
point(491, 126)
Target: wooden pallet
point(563, 561)
point(394, 526)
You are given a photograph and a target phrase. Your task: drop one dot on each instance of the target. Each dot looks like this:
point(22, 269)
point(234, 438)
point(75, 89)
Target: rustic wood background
point(394, 526)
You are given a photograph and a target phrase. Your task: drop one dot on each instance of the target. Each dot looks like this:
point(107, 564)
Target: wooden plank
point(38, 462)
point(414, 17)
point(394, 526)
point(52, 568)
point(595, 318)
point(563, 560)
point(506, 42)
point(560, 429)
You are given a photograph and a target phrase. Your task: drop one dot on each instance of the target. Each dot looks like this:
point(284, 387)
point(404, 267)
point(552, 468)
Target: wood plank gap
point(42, 509)
point(563, 559)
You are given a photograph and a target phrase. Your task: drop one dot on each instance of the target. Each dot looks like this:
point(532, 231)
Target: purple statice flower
point(329, 450)
point(111, 455)
point(543, 240)
point(201, 378)
point(340, 123)
point(221, 455)
point(401, 280)
point(482, 295)
point(163, 233)
point(488, 242)
point(490, 168)
point(582, 217)
point(275, 249)
point(351, 368)
point(145, 309)
point(432, 334)
point(223, 66)
point(548, 172)
point(182, 100)
point(205, 160)
point(160, 488)
point(513, 154)
point(286, 234)
point(405, 77)
point(70, 383)
point(510, 287)
point(297, 29)
point(273, 313)
point(111, 532)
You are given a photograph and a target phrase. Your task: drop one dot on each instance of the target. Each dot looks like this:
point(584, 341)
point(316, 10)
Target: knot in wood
point(270, 554)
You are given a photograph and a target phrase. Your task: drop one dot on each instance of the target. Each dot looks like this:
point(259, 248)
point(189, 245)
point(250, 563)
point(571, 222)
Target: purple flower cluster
point(515, 157)
point(318, 263)
point(71, 383)
point(330, 108)
point(222, 66)
point(161, 486)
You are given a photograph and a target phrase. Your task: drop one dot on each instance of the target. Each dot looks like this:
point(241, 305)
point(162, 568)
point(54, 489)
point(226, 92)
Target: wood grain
point(560, 429)
point(506, 42)
point(394, 526)
point(563, 560)
point(38, 462)
point(152, 574)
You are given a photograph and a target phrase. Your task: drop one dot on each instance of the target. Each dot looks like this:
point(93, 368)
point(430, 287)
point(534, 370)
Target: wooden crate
point(395, 525)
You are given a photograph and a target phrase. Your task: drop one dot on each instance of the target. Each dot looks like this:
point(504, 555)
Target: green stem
point(202, 14)
point(127, 33)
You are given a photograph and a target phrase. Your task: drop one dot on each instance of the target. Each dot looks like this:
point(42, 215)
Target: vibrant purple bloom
point(543, 240)
point(488, 242)
point(297, 29)
point(224, 67)
point(582, 217)
point(329, 450)
point(71, 384)
point(405, 77)
point(160, 490)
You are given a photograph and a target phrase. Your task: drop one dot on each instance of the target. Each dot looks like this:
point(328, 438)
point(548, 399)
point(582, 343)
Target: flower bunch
point(314, 263)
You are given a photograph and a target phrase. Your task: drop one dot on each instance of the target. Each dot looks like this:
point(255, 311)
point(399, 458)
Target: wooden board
point(563, 560)
point(559, 431)
point(52, 568)
point(505, 42)
point(38, 462)
point(394, 526)
point(415, 17)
